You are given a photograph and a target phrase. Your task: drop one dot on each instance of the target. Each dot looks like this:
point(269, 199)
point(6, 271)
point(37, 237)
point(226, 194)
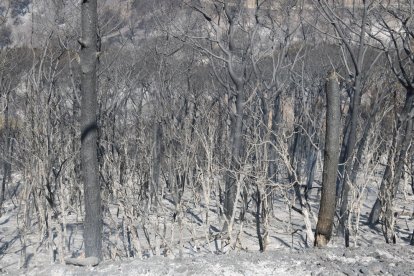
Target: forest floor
point(288, 253)
point(366, 260)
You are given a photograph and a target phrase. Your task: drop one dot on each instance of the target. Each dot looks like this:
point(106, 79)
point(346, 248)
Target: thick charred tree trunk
point(89, 131)
point(6, 152)
point(237, 111)
point(328, 199)
point(236, 144)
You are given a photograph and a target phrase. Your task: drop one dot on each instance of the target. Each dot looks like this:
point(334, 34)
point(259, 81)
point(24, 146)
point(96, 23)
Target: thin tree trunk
point(348, 158)
point(311, 166)
point(156, 163)
point(374, 215)
point(412, 170)
point(258, 228)
point(89, 131)
point(328, 199)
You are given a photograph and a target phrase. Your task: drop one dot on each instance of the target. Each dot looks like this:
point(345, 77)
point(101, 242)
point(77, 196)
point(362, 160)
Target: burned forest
point(141, 130)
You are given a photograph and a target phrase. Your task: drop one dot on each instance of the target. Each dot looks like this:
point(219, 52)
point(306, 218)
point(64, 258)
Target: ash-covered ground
point(367, 260)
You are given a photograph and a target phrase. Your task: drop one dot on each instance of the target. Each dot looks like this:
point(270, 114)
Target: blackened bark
point(350, 147)
point(156, 163)
point(374, 215)
point(236, 128)
point(6, 151)
point(311, 166)
point(272, 154)
point(328, 199)
point(236, 144)
point(274, 129)
point(89, 131)
point(412, 169)
point(342, 158)
point(258, 230)
point(412, 239)
point(348, 158)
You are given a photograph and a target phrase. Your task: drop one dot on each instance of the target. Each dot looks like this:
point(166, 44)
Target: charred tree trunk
point(236, 127)
point(412, 239)
point(412, 170)
point(258, 228)
point(272, 170)
point(236, 143)
point(6, 152)
point(328, 199)
point(156, 164)
point(348, 158)
point(89, 131)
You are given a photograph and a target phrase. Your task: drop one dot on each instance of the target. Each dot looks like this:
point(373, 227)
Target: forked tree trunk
point(328, 199)
point(89, 131)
